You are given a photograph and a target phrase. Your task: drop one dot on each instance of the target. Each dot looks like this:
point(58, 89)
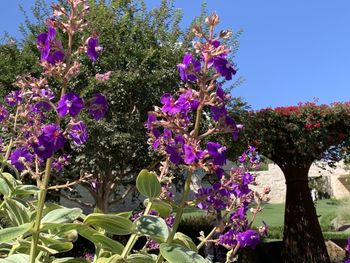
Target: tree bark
point(302, 238)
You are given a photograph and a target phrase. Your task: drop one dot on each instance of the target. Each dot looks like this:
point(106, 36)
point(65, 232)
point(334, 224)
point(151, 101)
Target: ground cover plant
point(41, 121)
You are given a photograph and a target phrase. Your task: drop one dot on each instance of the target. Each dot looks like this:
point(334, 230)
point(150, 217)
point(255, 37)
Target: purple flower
point(240, 213)
point(93, 48)
point(152, 245)
point(43, 149)
point(223, 67)
point(232, 125)
point(188, 67)
point(220, 93)
point(47, 94)
point(348, 245)
point(191, 155)
point(20, 157)
point(60, 162)
point(218, 112)
point(175, 156)
point(249, 238)
point(41, 106)
point(52, 133)
point(13, 98)
point(71, 104)
point(169, 105)
point(247, 178)
point(98, 106)
point(151, 118)
point(169, 220)
point(49, 141)
point(187, 102)
point(78, 132)
point(3, 113)
point(50, 48)
point(229, 238)
point(217, 153)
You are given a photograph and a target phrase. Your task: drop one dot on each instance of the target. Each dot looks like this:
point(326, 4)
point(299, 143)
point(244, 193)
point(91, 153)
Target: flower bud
point(266, 190)
point(197, 30)
point(225, 34)
point(212, 20)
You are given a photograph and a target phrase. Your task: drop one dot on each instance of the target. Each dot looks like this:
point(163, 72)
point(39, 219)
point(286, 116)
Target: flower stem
point(40, 208)
point(134, 237)
point(179, 213)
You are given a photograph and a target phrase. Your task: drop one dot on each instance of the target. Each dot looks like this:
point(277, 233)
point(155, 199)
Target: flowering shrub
point(41, 124)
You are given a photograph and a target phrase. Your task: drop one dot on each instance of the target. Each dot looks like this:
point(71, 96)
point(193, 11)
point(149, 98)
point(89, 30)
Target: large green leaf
point(185, 241)
point(17, 212)
point(101, 240)
point(152, 226)
point(62, 215)
point(163, 208)
point(21, 191)
point(174, 253)
point(113, 224)
point(11, 233)
point(57, 245)
point(148, 185)
point(7, 184)
point(140, 258)
point(16, 258)
point(60, 228)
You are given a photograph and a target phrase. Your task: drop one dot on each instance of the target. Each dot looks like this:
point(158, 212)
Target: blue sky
point(291, 51)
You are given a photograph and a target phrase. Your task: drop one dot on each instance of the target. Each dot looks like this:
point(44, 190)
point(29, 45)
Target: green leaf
point(60, 228)
point(101, 240)
point(57, 245)
point(185, 241)
point(71, 260)
point(163, 208)
point(174, 253)
point(24, 246)
point(25, 190)
point(152, 226)
point(148, 185)
point(140, 258)
point(7, 184)
point(16, 258)
point(62, 215)
point(125, 214)
point(116, 259)
point(113, 224)
point(10, 233)
point(17, 212)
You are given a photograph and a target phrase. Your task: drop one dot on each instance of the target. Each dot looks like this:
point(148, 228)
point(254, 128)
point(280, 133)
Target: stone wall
point(275, 179)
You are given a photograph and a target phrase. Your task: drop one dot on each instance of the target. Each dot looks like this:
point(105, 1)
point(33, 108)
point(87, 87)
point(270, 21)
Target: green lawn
point(273, 215)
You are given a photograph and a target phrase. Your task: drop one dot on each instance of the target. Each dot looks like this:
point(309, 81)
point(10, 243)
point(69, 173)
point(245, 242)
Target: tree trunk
point(302, 238)
point(103, 197)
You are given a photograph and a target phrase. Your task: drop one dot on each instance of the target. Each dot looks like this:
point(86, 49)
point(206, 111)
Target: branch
point(69, 184)
point(122, 198)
